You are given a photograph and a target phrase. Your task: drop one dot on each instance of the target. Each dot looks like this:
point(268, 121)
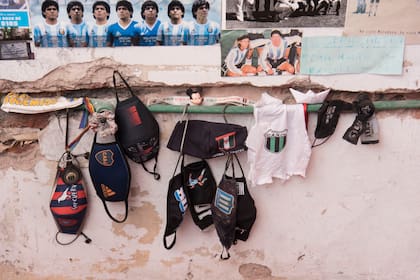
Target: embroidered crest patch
point(275, 141)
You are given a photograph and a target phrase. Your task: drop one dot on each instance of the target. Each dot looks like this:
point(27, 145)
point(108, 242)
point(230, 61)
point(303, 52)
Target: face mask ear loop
point(225, 254)
point(224, 112)
point(319, 144)
point(185, 112)
point(181, 149)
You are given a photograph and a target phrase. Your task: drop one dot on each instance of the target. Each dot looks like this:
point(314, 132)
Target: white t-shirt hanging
point(278, 143)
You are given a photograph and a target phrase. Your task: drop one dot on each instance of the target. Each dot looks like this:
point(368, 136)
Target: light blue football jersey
point(236, 56)
point(50, 36)
point(204, 34)
point(274, 52)
point(173, 34)
point(78, 34)
point(97, 35)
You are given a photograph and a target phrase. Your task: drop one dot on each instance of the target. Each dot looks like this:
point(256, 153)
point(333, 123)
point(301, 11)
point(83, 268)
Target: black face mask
point(208, 139)
point(138, 130)
point(246, 212)
point(224, 209)
point(328, 116)
point(365, 109)
point(234, 210)
point(176, 206)
point(200, 187)
point(193, 187)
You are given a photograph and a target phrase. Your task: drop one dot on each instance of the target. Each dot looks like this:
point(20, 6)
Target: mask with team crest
point(68, 203)
point(200, 188)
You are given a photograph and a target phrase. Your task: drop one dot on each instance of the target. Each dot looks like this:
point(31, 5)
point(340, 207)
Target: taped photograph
point(270, 52)
point(242, 14)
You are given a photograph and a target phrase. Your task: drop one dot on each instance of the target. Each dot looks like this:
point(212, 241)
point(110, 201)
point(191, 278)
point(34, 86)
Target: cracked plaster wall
point(354, 216)
point(72, 69)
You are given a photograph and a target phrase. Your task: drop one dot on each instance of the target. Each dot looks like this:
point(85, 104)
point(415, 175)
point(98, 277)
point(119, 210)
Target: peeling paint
point(173, 261)
point(407, 63)
point(201, 251)
point(10, 272)
point(282, 225)
point(415, 114)
point(143, 217)
point(26, 159)
point(121, 265)
point(253, 271)
point(259, 254)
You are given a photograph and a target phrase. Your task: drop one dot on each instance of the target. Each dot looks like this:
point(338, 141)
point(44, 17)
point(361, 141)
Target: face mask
point(176, 206)
point(208, 139)
point(365, 110)
point(68, 203)
point(138, 130)
point(328, 116)
point(200, 187)
point(110, 175)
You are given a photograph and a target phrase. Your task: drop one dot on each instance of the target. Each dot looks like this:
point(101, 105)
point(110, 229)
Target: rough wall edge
point(97, 74)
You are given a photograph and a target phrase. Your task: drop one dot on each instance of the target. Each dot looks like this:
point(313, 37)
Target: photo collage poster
point(260, 37)
point(15, 40)
point(272, 31)
point(122, 23)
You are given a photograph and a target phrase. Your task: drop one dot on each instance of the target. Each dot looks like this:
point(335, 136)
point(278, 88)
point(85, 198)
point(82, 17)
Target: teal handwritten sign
point(328, 55)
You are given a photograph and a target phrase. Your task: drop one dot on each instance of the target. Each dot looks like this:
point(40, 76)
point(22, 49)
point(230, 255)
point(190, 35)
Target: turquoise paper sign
point(329, 55)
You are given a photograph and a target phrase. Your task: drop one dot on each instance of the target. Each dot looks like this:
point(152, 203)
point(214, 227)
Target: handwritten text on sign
point(359, 54)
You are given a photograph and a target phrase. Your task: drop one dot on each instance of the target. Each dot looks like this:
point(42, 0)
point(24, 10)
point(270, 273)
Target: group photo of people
point(285, 13)
point(78, 23)
point(270, 52)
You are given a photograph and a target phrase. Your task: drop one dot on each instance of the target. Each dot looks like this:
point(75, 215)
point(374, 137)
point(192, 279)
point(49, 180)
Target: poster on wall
point(270, 52)
point(15, 40)
point(327, 55)
point(120, 23)
point(375, 17)
point(242, 14)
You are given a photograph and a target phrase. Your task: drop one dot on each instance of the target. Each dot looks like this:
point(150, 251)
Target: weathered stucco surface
point(71, 69)
point(355, 216)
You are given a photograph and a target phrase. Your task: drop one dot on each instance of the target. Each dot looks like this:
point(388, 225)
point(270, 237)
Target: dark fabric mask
point(208, 139)
point(365, 109)
point(138, 130)
point(176, 206)
point(110, 175)
point(328, 116)
point(224, 208)
point(200, 187)
point(246, 211)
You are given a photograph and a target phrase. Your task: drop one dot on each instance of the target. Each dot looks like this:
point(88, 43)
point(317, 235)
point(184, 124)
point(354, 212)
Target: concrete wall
point(354, 216)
